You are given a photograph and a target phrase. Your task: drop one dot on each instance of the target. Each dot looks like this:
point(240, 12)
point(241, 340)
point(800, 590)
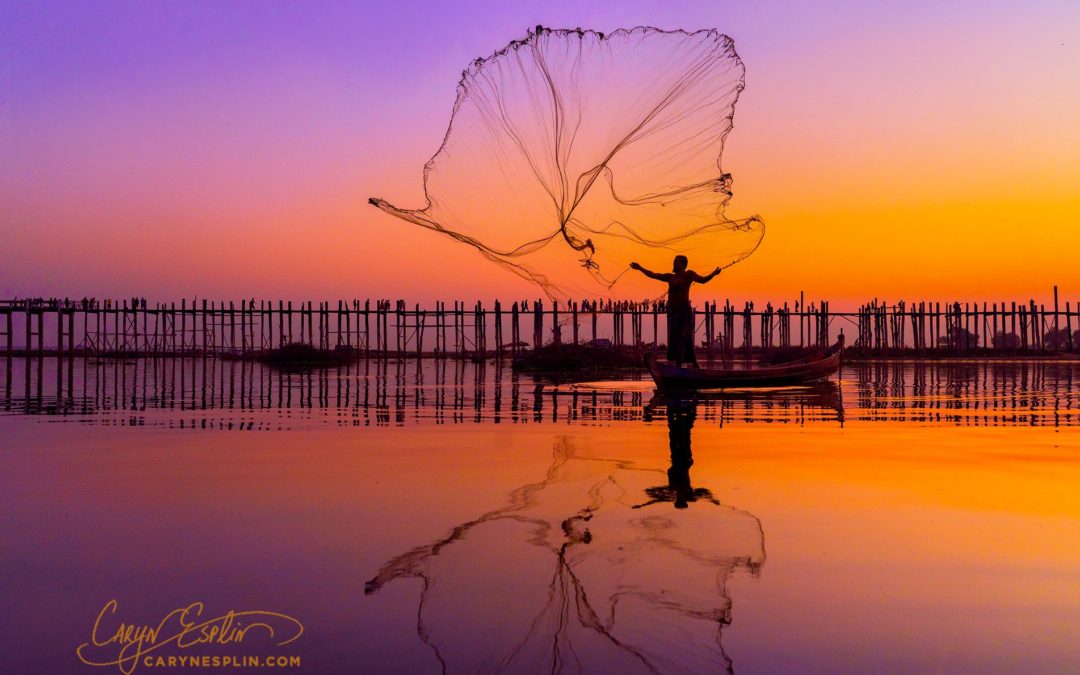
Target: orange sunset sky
point(897, 150)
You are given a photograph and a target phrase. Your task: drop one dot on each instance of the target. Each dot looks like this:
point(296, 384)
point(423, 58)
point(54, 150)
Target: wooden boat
point(812, 368)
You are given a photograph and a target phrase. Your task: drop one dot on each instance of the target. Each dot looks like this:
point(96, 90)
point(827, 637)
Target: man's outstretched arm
point(707, 278)
point(649, 273)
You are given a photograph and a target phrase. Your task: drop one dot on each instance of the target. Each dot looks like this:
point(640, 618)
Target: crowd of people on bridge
point(84, 303)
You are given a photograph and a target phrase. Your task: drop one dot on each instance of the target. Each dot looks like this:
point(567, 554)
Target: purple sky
point(144, 144)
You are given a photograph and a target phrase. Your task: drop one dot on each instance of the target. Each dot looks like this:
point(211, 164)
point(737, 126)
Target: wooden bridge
point(134, 327)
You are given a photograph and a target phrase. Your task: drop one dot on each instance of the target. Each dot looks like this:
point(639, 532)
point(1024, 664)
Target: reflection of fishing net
point(572, 153)
point(570, 577)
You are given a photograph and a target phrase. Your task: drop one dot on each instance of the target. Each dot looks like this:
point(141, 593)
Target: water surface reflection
point(922, 517)
point(210, 393)
point(584, 570)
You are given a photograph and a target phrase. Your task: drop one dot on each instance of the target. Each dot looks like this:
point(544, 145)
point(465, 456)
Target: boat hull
point(803, 371)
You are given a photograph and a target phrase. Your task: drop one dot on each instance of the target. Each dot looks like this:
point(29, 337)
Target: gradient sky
point(904, 150)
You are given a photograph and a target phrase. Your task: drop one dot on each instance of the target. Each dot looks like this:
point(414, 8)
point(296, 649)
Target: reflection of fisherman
point(680, 315)
point(681, 414)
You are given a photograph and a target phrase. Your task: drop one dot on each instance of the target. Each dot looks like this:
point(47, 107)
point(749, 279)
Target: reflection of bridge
point(200, 392)
point(136, 328)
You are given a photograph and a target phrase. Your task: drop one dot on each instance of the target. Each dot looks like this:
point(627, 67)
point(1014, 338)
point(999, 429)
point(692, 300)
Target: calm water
point(457, 517)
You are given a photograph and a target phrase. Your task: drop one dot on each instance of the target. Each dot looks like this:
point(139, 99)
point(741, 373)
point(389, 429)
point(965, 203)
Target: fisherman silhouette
point(680, 315)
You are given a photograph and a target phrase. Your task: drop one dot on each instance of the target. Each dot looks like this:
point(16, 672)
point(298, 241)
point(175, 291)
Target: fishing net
point(572, 153)
point(582, 572)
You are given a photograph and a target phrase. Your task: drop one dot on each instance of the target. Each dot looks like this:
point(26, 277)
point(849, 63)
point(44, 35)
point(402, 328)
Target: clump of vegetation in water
point(298, 355)
point(571, 358)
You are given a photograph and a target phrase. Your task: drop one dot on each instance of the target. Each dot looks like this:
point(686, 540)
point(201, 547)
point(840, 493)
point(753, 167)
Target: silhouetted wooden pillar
point(656, 322)
point(1057, 336)
point(538, 324)
point(59, 332)
point(515, 328)
point(1068, 326)
point(122, 346)
point(367, 324)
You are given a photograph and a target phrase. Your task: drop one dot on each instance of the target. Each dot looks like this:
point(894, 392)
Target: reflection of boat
point(824, 395)
point(801, 371)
